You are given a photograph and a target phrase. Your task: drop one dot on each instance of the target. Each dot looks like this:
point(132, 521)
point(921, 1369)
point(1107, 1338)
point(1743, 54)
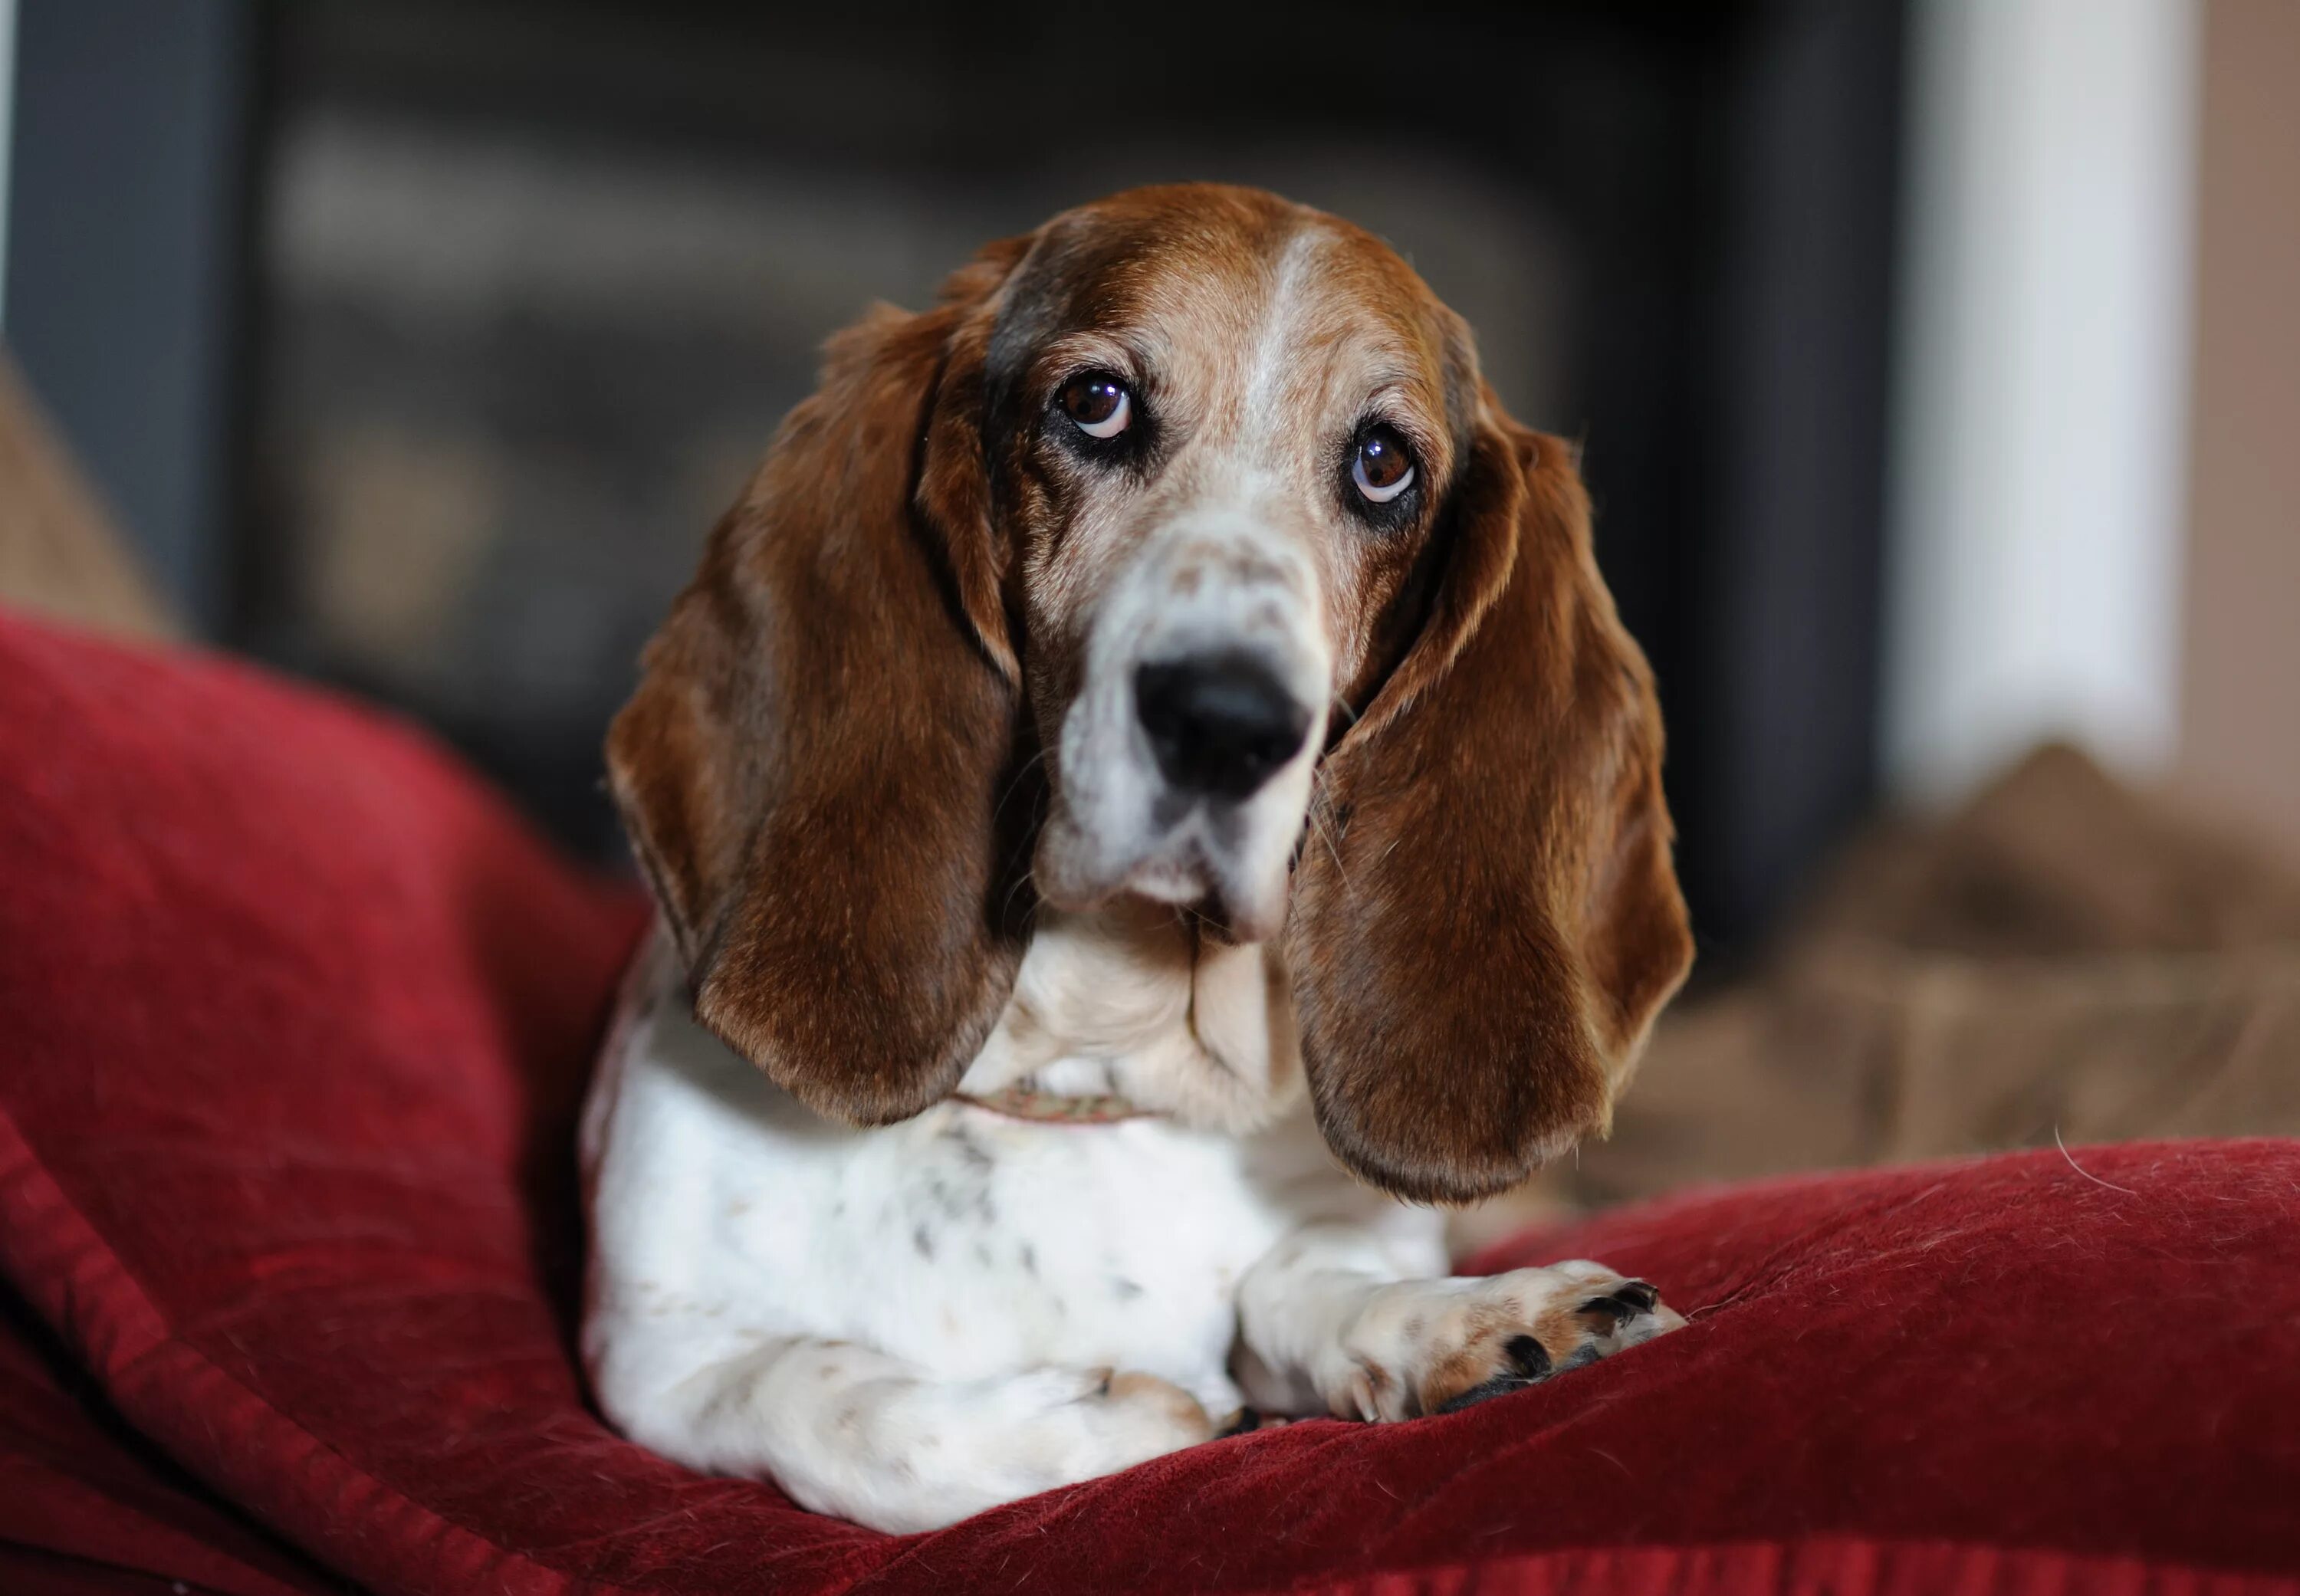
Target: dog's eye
point(1383, 469)
point(1099, 403)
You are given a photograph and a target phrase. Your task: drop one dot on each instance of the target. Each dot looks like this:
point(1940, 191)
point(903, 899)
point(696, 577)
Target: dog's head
point(1180, 552)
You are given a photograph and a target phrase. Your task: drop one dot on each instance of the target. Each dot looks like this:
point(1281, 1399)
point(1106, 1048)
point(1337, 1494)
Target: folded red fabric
point(295, 1020)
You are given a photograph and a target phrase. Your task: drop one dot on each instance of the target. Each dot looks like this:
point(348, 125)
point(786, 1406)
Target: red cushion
point(294, 1017)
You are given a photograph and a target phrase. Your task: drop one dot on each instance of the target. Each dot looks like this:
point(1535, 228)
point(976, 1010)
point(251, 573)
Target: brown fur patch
point(1178, 1405)
point(1480, 1356)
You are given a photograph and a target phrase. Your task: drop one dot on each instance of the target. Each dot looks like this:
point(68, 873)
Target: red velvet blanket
point(293, 1019)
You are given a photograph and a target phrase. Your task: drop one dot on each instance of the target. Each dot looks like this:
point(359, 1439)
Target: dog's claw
point(1622, 1304)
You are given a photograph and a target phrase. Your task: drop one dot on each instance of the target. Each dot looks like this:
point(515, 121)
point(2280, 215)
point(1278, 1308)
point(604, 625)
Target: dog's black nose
point(1220, 724)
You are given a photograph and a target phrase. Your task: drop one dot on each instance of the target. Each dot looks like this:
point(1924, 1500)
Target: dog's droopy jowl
point(1149, 745)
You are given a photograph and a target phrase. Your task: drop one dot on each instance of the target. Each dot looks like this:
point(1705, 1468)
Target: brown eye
point(1099, 403)
point(1383, 469)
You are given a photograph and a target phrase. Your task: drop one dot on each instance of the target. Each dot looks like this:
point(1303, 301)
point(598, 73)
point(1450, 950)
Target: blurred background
point(1938, 363)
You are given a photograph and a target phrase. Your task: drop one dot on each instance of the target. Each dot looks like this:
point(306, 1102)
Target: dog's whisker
point(1015, 786)
point(1320, 817)
point(1029, 877)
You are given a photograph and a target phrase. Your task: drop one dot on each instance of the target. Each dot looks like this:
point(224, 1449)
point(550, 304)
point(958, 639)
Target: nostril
point(1221, 724)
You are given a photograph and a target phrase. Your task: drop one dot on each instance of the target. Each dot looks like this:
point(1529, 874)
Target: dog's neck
point(1127, 1002)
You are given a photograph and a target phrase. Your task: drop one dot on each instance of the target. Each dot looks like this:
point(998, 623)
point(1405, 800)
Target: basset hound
point(1147, 776)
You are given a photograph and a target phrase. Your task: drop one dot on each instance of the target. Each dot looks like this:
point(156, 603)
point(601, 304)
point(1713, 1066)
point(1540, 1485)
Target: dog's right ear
point(812, 769)
point(1481, 940)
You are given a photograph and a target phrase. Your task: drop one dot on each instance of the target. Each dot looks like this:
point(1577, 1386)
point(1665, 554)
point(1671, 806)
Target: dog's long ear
point(812, 769)
point(1478, 953)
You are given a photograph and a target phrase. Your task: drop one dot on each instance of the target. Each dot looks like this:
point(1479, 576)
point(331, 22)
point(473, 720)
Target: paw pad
point(1528, 1363)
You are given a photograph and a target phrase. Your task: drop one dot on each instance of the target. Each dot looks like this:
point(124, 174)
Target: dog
point(1147, 776)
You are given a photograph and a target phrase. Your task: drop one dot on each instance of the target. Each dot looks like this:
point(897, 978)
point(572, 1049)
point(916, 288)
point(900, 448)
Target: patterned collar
point(1048, 1108)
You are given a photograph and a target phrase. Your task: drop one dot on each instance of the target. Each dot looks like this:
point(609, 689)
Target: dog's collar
point(1049, 1108)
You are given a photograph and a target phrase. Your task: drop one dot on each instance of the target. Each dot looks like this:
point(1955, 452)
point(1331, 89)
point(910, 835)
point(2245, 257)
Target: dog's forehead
point(1202, 279)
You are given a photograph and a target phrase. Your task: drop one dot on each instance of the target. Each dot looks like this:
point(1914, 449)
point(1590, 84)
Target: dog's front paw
point(1433, 1346)
point(902, 1453)
point(1063, 1426)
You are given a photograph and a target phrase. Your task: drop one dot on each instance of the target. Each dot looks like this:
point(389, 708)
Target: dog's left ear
point(818, 771)
point(1479, 954)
